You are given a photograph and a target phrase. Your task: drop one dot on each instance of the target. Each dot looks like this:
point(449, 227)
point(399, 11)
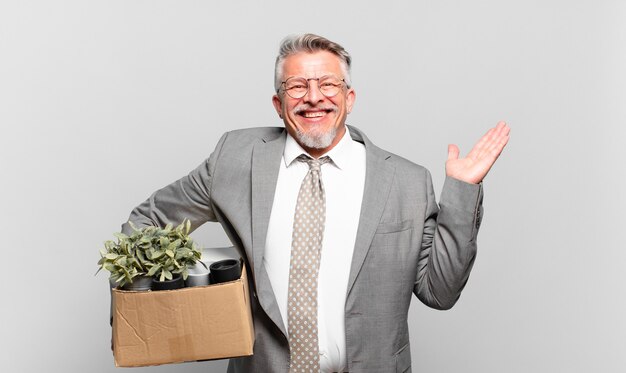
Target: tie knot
point(314, 164)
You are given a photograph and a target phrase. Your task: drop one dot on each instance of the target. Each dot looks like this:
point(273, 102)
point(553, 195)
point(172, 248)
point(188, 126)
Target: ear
point(278, 105)
point(350, 98)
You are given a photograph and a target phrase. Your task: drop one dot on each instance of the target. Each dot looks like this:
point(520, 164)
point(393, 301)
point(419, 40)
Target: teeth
point(314, 114)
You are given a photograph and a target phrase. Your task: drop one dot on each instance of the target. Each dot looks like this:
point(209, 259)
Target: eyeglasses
point(297, 87)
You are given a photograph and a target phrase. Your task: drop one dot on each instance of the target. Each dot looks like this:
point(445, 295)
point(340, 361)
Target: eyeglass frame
point(308, 86)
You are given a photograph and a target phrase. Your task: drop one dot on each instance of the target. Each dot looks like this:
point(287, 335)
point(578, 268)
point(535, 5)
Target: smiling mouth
point(313, 113)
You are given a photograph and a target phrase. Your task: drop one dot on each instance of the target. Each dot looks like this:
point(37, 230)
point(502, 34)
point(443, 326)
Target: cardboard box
point(189, 324)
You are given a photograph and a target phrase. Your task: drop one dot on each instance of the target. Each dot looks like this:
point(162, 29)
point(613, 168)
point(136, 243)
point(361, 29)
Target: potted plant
point(126, 263)
point(170, 255)
point(163, 254)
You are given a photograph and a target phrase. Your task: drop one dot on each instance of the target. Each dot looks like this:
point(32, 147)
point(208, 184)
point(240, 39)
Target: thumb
point(453, 152)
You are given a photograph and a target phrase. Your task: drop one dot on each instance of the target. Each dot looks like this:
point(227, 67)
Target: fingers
point(494, 146)
point(479, 149)
point(498, 146)
point(490, 145)
point(453, 152)
point(494, 141)
point(501, 138)
point(502, 129)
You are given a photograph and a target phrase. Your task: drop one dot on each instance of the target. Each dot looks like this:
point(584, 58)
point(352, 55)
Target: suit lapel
point(266, 159)
point(378, 178)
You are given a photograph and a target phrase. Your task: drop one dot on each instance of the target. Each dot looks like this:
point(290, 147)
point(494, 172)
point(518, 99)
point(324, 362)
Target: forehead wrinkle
point(314, 65)
point(311, 72)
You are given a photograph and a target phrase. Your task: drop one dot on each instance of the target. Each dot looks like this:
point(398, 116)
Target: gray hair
point(310, 43)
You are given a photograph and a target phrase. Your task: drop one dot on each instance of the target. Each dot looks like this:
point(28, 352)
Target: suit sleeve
point(448, 247)
point(186, 198)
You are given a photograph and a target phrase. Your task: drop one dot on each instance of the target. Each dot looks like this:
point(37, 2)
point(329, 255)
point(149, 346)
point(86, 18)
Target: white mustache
point(304, 107)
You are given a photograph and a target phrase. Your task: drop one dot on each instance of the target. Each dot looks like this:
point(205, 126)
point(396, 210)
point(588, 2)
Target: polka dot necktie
point(306, 246)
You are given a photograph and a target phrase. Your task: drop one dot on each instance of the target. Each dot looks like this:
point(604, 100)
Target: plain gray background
point(102, 103)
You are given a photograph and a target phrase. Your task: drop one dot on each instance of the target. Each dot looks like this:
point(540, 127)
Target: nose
point(313, 94)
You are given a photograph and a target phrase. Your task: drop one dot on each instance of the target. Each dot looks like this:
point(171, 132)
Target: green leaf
point(111, 256)
point(121, 236)
point(168, 274)
point(154, 270)
point(183, 253)
point(136, 265)
point(169, 253)
point(121, 260)
point(187, 226)
point(118, 277)
point(141, 256)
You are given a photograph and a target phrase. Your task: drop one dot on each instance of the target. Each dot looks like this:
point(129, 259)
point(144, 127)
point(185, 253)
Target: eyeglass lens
point(297, 87)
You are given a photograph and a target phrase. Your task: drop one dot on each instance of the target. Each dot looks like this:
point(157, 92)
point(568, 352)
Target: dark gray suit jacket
point(405, 243)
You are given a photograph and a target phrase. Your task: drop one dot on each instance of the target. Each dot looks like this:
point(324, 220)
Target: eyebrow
point(321, 77)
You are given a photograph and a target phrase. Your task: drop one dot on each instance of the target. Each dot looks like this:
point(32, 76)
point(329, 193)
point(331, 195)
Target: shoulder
point(254, 134)
point(402, 165)
point(248, 137)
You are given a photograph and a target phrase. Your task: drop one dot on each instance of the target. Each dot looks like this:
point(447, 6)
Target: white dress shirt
point(344, 180)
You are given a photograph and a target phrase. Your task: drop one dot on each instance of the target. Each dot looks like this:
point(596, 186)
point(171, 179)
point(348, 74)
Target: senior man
point(336, 232)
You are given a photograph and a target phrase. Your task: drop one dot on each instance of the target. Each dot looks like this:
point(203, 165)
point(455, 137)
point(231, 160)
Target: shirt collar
point(339, 155)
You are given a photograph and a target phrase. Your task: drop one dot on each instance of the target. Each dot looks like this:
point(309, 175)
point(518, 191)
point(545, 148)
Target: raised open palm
point(474, 167)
